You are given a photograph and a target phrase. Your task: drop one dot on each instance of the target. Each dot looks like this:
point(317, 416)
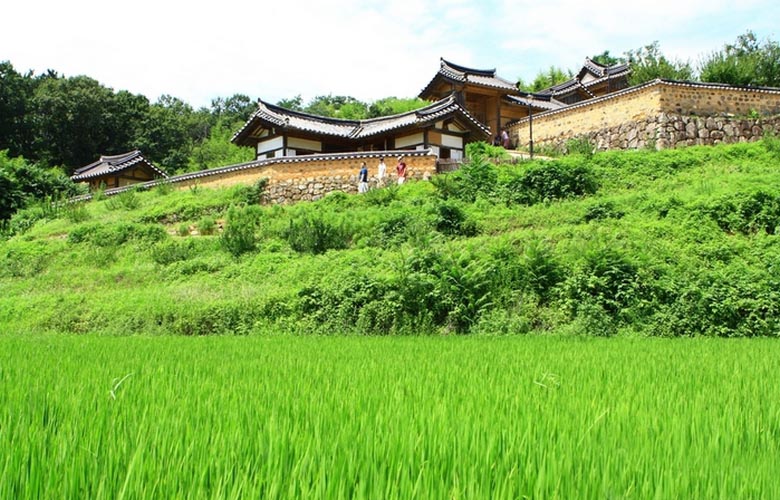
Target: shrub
point(553, 180)
point(477, 177)
point(579, 146)
point(106, 235)
point(381, 196)
point(126, 200)
point(316, 234)
point(746, 213)
point(171, 251)
point(452, 221)
point(76, 212)
point(238, 236)
point(183, 229)
point(255, 194)
point(541, 270)
point(602, 211)
point(482, 149)
point(604, 278)
point(207, 226)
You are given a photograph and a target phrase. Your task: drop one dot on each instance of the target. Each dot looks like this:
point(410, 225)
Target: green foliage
point(483, 150)
point(207, 226)
point(451, 220)
point(255, 194)
point(394, 106)
point(23, 183)
point(746, 213)
point(746, 62)
point(552, 180)
point(106, 235)
point(602, 211)
point(579, 146)
point(603, 284)
point(678, 242)
point(649, 63)
point(216, 150)
point(170, 251)
point(239, 237)
point(546, 79)
point(126, 200)
point(477, 177)
point(316, 234)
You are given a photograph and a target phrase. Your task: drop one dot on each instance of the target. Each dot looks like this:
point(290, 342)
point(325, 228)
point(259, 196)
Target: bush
point(552, 180)
point(451, 220)
point(602, 211)
point(746, 213)
point(126, 200)
point(168, 252)
point(238, 236)
point(105, 235)
point(207, 226)
point(316, 234)
point(605, 279)
point(477, 177)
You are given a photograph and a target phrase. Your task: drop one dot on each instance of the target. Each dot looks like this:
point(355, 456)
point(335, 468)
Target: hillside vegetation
point(663, 243)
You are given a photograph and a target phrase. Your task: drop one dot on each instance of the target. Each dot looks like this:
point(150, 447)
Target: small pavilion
point(118, 171)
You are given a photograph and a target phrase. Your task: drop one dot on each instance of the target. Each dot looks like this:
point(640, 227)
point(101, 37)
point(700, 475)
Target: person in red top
point(400, 169)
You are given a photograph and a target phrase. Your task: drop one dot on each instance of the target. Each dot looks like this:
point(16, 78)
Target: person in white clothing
point(381, 173)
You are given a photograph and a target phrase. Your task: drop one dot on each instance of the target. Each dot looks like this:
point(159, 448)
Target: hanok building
point(469, 105)
point(118, 171)
point(496, 101)
point(444, 127)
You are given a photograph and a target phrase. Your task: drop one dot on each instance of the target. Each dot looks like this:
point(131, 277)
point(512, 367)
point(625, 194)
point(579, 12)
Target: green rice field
point(411, 417)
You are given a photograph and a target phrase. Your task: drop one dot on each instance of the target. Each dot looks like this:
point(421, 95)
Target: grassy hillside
point(663, 243)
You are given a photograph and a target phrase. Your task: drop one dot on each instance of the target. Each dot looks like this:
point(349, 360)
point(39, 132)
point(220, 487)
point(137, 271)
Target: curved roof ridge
point(467, 70)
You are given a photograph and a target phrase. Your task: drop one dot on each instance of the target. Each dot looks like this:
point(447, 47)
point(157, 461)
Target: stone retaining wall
point(671, 130)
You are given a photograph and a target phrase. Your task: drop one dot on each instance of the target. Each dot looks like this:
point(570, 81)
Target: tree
point(648, 63)
point(170, 130)
point(746, 62)
point(293, 104)
point(605, 59)
point(15, 94)
point(22, 182)
point(236, 108)
point(340, 106)
point(394, 106)
point(74, 120)
point(546, 79)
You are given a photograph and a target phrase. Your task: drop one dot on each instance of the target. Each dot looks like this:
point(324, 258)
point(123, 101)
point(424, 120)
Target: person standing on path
point(363, 179)
point(401, 170)
point(381, 173)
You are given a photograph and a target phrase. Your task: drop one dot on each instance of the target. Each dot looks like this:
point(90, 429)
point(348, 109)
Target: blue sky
point(368, 49)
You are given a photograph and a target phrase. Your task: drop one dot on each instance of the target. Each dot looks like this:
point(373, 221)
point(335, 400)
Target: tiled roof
point(544, 102)
point(114, 164)
point(269, 114)
point(461, 74)
point(600, 73)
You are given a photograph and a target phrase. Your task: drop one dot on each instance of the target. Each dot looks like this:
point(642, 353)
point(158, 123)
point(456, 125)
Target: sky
point(368, 49)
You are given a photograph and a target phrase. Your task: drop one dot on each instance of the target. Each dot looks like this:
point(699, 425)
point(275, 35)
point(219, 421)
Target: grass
point(401, 260)
point(325, 417)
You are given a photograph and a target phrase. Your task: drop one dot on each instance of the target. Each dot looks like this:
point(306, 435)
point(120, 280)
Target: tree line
point(748, 61)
